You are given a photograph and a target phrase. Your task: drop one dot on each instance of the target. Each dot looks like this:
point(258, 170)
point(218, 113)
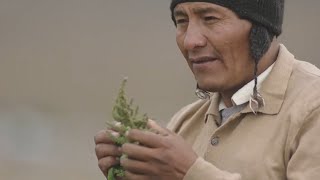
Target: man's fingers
point(157, 128)
point(131, 176)
point(103, 150)
point(146, 138)
point(135, 166)
point(106, 163)
point(103, 136)
point(137, 152)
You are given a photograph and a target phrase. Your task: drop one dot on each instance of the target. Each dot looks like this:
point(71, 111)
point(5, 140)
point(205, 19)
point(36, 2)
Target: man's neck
point(227, 98)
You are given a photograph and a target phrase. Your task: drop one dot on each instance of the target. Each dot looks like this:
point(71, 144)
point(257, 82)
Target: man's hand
point(160, 156)
point(107, 152)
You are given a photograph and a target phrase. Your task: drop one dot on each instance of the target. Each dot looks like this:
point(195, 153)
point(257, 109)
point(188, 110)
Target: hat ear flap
point(260, 40)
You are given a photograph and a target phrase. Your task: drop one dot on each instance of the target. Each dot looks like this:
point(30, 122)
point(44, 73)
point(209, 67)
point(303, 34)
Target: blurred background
point(61, 64)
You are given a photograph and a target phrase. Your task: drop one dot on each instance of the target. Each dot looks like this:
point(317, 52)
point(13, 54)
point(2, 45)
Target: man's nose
point(194, 38)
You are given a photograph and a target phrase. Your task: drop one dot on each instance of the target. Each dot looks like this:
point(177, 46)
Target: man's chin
point(207, 87)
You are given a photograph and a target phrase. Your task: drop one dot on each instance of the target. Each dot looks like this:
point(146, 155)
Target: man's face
point(215, 43)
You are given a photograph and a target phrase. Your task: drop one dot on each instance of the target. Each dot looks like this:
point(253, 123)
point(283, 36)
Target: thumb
point(157, 128)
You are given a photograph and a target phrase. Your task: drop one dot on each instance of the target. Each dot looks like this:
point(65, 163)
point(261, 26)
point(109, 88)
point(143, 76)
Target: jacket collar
point(273, 89)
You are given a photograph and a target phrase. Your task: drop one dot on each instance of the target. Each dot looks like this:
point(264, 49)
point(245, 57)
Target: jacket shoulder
point(302, 95)
point(306, 68)
point(305, 80)
point(186, 112)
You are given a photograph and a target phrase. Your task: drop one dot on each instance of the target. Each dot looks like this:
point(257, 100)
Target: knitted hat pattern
point(268, 13)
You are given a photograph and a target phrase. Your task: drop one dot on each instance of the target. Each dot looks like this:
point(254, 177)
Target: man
point(261, 119)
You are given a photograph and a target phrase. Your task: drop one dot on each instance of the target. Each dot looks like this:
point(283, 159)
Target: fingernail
point(124, 156)
point(126, 133)
point(115, 134)
point(117, 124)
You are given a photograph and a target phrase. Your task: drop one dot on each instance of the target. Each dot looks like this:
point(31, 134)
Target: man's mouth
point(202, 60)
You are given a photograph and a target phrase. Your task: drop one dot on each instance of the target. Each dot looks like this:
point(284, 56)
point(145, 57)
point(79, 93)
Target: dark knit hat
point(268, 13)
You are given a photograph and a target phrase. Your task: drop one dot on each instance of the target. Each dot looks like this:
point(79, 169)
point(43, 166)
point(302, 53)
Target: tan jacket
point(281, 142)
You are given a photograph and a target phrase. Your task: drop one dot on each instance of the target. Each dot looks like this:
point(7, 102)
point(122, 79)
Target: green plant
point(125, 117)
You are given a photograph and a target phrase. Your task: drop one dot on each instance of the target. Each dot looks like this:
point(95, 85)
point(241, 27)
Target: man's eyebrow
point(179, 13)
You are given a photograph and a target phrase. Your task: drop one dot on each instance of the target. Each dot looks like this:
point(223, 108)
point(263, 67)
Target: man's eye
point(181, 21)
point(209, 18)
